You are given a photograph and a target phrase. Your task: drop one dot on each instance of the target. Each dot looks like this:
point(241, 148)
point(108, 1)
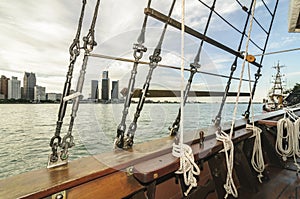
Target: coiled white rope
point(291, 139)
point(229, 186)
point(257, 159)
point(281, 139)
point(187, 167)
point(296, 137)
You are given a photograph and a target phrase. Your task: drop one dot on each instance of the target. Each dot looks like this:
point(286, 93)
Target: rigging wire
point(277, 52)
point(226, 139)
point(154, 59)
point(230, 24)
point(194, 67)
point(160, 65)
point(218, 118)
point(139, 49)
point(88, 46)
point(258, 72)
point(74, 51)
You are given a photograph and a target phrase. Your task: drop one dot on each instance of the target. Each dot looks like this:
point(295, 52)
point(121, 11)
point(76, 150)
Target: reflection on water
point(26, 129)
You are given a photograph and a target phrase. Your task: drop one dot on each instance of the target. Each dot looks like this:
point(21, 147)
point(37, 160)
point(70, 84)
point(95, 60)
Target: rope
point(257, 160)
point(281, 140)
point(296, 149)
point(226, 139)
point(187, 167)
point(288, 145)
point(229, 186)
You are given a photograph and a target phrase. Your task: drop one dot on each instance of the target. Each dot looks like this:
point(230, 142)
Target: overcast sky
point(35, 37)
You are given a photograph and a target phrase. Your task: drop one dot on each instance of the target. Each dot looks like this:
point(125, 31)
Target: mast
point(277, 92)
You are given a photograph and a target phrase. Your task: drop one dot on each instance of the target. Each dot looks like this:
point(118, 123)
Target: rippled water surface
point(26, 129)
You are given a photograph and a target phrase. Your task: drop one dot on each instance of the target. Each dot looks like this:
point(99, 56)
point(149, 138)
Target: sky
point(35, 37)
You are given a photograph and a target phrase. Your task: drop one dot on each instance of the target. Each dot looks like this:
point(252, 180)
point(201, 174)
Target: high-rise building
point(14, 88)
point(39, 93)
point(105, 86)
point(115, 90)
point(56, 97)
point(94, 89)
point(29, 82)
point(4, 86)
point(105, 74)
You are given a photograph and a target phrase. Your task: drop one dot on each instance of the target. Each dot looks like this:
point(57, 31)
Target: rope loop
point(228, 150)
point(187, 167)
point(257, 159)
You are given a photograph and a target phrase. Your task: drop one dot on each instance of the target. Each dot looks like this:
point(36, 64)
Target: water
point(26, 129)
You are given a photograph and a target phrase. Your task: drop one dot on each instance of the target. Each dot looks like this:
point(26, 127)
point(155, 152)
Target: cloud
point(35, 37)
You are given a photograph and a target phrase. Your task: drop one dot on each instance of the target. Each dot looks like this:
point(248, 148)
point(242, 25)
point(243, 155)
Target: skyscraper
point(14, 88)
point(39, 93)
point(29, 82)
point(115, 90)
point(105, 86)
point(4, 86)
point(94, 89)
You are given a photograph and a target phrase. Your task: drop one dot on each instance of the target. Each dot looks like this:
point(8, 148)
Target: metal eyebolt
point(137, 55)
point(53, 139)
point(54, 155)
point(64, 153)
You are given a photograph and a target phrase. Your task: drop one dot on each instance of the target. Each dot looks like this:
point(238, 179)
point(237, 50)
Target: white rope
point(291, 139)
point(229, 186)
point(187, 167)
point(296, 137)
point(284, 151)
point(257, 159)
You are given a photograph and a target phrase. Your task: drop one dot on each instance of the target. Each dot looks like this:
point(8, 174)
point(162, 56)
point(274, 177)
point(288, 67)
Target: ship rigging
point(235, 159)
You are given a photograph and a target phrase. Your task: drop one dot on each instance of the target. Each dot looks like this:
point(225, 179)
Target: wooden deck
point(148, 170)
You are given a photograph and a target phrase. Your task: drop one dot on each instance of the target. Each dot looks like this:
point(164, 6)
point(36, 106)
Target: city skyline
point(42, 37)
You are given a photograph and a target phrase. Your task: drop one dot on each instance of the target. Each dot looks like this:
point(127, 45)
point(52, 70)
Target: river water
point(26, 129)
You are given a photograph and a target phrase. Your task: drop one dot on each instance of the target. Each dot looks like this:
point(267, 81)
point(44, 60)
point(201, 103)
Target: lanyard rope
point(187, 167)
point(139, 49)
point(257, 159)
point(226, 139)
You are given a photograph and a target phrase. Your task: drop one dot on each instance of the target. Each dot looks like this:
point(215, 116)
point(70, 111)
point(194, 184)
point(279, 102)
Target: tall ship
point(277, 94)
point(256, 156)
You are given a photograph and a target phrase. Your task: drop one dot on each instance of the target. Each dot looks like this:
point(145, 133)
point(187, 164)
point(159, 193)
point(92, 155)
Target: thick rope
point(257, 159)
point(187, 167)
point(229, 186)
point(296, 137)
point(281, 140)
point(288, 145)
